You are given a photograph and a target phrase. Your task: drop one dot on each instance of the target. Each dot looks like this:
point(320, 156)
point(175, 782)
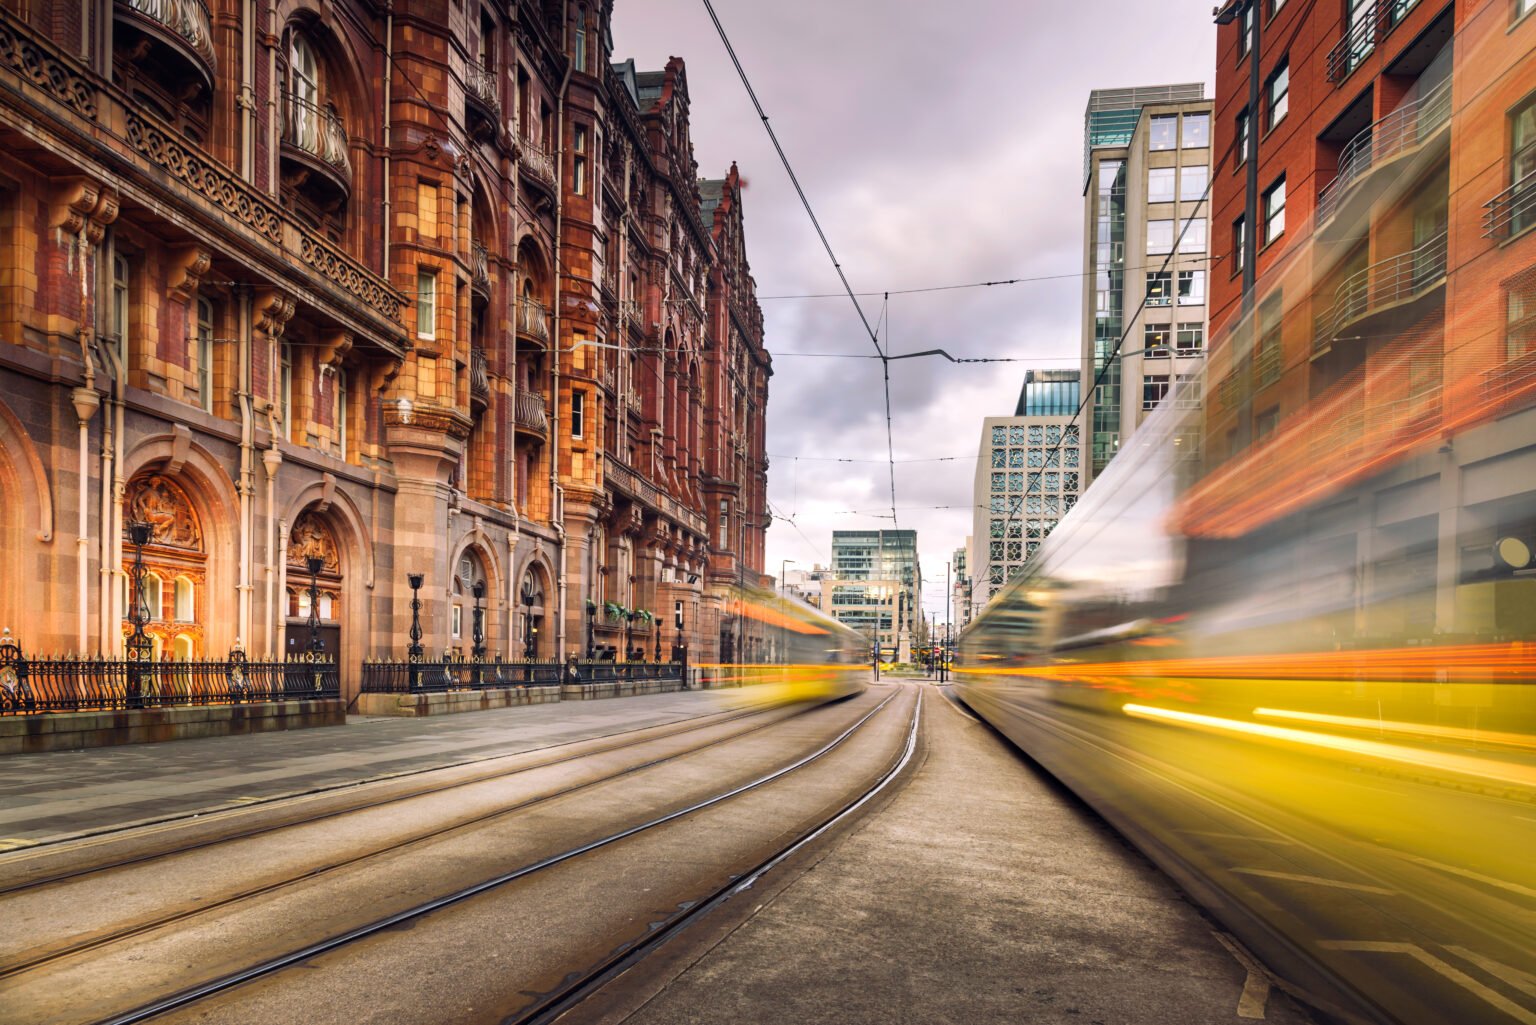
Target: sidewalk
point(60, 793)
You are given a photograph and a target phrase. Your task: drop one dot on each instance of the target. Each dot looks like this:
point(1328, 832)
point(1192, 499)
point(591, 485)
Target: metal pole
point(140, 649)
point(314, 564)
point(477, 631)
point(413, 652)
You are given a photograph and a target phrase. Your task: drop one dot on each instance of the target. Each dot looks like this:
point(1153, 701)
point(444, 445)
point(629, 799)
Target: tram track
point(271, 968)
point(50, 956)
point(206, 821)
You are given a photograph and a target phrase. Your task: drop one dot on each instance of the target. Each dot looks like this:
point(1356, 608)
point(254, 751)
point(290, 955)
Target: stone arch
point(210, 493)
point(31, 489)
point(533, 268)
point(354, 571)
point(541, 571)
point(349, 82)
point(477, 545)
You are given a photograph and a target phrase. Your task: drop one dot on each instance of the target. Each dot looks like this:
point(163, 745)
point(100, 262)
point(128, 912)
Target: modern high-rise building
point(1029, 473)
point(960, 586)
point(874, 585)
point(1147, 172)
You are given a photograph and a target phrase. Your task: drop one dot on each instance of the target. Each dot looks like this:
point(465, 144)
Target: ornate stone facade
point(298, 298)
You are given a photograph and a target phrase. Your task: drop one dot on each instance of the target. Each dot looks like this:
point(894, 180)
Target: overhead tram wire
point(948, 288)
point(827, 245)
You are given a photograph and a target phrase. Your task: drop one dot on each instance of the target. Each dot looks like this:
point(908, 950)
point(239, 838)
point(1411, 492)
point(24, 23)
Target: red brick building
point(423, 288)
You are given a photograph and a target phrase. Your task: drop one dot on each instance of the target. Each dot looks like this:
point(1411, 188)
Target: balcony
point(181, 28)
point(1515, 379)
point(315, 139)
point(532, 321)
point(479, 271)
point(479, 379)
point(1266, 365)
point(1404, 131)
point(1511, 211)
point(1369, 24)
point(1383, 285)
point(531, 414)
point(482, 105)
point(537, 164)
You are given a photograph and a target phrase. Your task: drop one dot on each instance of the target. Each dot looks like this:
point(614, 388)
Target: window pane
point(1193, 239)
point(1197, 131)
point(1192, 182)
point(1274, 211)
point(1191, 287)
point(1161, 134)
point(1160, 288)
point(1159, 237)
point(1242, 138)
point(1279, 94)
point(1160, 184)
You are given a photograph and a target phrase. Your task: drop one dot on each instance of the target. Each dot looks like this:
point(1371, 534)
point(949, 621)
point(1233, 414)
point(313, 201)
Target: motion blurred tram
point(796, 652)
point(1302, 683)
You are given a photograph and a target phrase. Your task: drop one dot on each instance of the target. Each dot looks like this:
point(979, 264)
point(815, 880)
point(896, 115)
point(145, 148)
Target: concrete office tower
point(1147, 167)
point(1029, 473)
point(960, 586)
point(874, 585)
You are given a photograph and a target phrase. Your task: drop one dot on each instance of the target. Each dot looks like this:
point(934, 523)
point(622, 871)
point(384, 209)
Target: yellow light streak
point(1429, 730)
point(1465, 765)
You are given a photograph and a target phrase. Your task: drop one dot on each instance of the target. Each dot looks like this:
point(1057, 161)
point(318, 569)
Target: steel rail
point(365, 806)
point(264, 968)
point(308, 874)
point(552, 1006)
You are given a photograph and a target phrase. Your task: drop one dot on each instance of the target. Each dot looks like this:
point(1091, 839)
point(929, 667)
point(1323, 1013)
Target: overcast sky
point(939, 144)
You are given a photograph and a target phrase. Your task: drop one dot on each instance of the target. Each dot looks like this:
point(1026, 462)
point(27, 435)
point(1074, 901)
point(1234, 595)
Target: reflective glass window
point(1192, 182)
point(1197, 131)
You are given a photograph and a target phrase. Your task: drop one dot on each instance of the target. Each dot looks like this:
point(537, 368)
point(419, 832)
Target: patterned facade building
point(427, 288)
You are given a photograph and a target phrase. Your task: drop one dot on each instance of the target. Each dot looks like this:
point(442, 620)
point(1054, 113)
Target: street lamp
point(314, 564)
point(656, 626)
point(413, 653)
point(591, 629)
point(477, 631)
point(140, 649)
point(528, 619)
point(629, 630)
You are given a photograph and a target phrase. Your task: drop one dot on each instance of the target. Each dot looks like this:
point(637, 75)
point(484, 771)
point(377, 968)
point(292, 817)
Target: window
point(1189, 339)
point(1274, 211)
point(120, 280)
point(999, 435)
point(205, 354)
point(1279, 93)
point(1522, 161)
point(999, 481)
point(1154, 387)
point(1245, 32)
point(1191, 288)
point(1192, 182)
point(1240, 147)
point(426, 304)
point(1274, 7)
point(579, 162)
point(1192, 240)
point(1268, 356)
point(341, 413)
point(1239, 244)
point(1524, 7)
point(1154, 341)
point(1159, 237)
point(1162, 131)
point(581, 47)
point(998, 456)
point(1520, 312)
point(1160, 288)
point(1160, 184)
point(153, 609)
point(1196, 131)
point(1265, 423)
point(456, 621)
point(725, 524)
point(578, 414)
point(185, 603)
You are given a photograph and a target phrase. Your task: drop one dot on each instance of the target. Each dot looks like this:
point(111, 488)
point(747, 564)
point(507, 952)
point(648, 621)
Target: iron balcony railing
point(537, 162)
point(1405, 129)
point(188, 19)
point(1384, 283)
point(479, 376)
point(391, 677)
point(1515, 377)
point(31, 686)
point(480, 268)
point(531, 412)
point(1358, 42)
point(1511, 211)
point(532, 320)
point(480, 82)
point(317, 131)
point(1266, 364)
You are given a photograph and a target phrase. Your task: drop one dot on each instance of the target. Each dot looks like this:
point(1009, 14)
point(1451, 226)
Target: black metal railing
point(1511, 211)
point(31, 685)
point(398, 677)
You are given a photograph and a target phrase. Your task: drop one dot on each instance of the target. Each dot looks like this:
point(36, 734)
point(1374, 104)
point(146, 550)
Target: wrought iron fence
point(397, 677)
point(30, 685)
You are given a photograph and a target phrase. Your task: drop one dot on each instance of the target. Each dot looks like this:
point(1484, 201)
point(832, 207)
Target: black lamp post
point(140, 649)
point(413, 653)
point(629, 630)
point(314, 564)
point(591, 629)
point(477, 633)
point(528, 631)
point(656, 626)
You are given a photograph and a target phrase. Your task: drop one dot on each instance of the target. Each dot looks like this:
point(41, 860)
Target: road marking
point(1255, 987)
point(1525, 982)
point(1524, 891)
point(1240, 836)
point(1316, 881)
point(1450, 972)
point(16, 844)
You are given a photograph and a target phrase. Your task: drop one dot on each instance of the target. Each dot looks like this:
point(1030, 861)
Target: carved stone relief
point(160, 503)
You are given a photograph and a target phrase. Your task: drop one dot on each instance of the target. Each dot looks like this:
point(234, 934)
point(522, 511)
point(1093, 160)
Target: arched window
point(183, 648)
point(304, 87)
point(185, 604)
point(153, 595)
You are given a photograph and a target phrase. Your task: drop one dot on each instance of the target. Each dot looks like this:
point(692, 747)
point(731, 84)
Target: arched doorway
point(312, 538)
point(532, 597)
point(175, 589)
point(468, 626)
